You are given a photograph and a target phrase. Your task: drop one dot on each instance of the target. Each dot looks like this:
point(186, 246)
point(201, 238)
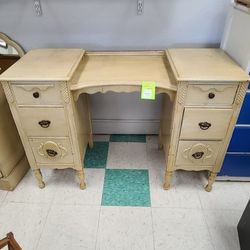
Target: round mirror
point(10, 52)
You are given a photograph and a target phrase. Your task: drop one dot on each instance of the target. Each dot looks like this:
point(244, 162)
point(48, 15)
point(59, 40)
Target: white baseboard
point(232, 178)
point(112, 126)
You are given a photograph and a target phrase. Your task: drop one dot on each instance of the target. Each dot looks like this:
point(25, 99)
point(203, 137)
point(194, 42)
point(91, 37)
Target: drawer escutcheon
point(52, 150)
point(198, 151)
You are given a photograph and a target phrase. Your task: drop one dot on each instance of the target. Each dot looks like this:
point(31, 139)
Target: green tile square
point(127, 138)
point(126, 187)
point(96, 157)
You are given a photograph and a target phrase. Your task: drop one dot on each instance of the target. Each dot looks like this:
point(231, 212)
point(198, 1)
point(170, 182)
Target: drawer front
point(208, 124)
point(52, 151)
point(244, 117)
point(43, 121)
point(211, 95)
point(240, 141)
point(237, 165)
point(200, 153)
point(37, 94)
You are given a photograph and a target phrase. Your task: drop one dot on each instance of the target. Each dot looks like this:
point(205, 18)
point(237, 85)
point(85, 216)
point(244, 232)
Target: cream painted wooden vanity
point(48, 90)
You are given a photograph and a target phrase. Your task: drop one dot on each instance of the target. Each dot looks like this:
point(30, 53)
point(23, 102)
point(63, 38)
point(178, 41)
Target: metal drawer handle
point(44, 123)
point(205, 125)
point(36, 94)
point(211, 95)
point(51, 152)
point(198, 155)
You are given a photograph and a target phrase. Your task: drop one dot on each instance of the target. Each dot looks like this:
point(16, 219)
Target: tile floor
point(124, 205)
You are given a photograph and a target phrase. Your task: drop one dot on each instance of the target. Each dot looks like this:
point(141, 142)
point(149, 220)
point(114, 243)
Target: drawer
point(200, 153)
point(43, 121)
point(208, 124)
point(52, 151)
point(37, 94)
point(211, 95)
point(244, 117)
point(237, 165)
point(240, 141)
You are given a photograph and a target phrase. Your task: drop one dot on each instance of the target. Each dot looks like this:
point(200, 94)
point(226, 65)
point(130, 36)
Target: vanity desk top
point(204, 90)
point(93, 69)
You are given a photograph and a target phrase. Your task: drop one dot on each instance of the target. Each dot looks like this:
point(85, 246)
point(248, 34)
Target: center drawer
point(44, 121)
point(210, 124)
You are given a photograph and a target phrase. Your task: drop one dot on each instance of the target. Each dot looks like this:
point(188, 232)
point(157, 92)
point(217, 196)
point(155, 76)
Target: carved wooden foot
point(80, 175)
point(168, 176)
point(211, 180)
point(39, 178)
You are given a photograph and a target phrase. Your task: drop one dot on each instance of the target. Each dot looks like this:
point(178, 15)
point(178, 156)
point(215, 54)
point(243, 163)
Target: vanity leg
point(211, 180)
point(159, 140)
point(91, 143)
point(168, 176)
point(39, 178)
point(160, 145)
point(80, 176)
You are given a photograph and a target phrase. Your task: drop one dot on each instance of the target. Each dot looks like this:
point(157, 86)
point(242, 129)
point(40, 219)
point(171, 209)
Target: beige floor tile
point(183, 192)
point(222, 226)
point(3, 195)
point(124, 155)
point(70, 227)
point(26, 221)
point(68, 192)
point(125, 228)
point(182, 229)
point(28, 191)
point(225, 195)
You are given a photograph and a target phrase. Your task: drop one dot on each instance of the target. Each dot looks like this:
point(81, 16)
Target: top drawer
point(211, 95)
point(37, 94)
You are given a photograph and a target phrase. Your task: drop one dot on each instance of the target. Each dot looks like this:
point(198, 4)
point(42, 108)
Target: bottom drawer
point(52, 151)
point(237, 165)
point(200, 153)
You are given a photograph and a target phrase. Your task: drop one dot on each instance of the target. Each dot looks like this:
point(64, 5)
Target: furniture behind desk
point(48, 90)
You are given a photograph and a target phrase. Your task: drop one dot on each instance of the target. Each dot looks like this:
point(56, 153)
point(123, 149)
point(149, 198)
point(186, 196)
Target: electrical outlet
point(38, 8)
point(140, 6)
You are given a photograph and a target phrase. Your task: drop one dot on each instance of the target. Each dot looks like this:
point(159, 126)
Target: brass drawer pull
point(36, 95)
point(205, 125)
point(211, 95)
point(44, 123)
point(51, 152)
point(198, 155)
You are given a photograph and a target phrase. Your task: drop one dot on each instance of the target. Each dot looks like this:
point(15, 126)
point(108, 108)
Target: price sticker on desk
point(148, 90)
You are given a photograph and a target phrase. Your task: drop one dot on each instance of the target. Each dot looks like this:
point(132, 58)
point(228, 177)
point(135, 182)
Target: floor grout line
point(98, 225)
point(46, 218)
point(204, 219)
point(209, 232)
point(152, 219)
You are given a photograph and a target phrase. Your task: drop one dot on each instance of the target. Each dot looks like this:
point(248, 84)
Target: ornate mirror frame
point(12, 43)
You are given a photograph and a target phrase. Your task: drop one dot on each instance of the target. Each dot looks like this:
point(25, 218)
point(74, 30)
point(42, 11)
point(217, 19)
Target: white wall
point(115, 25)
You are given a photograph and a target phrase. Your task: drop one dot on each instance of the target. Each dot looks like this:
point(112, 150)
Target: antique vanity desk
point(48, 90)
